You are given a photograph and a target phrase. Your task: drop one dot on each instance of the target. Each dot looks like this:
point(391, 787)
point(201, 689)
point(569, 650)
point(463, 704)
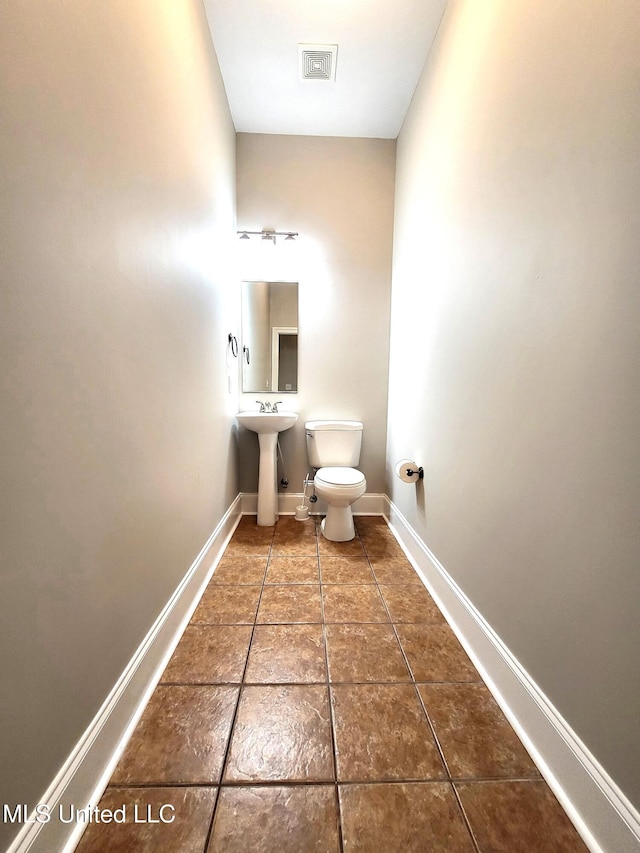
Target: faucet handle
point(275, 406)
point(262, 408)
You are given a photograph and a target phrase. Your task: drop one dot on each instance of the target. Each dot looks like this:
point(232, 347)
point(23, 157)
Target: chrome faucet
point(264, 407)
point(275, 406)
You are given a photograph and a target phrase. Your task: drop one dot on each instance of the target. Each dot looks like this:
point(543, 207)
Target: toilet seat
point(339, 478)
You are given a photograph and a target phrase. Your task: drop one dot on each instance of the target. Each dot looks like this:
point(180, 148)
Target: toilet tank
point(333, 443)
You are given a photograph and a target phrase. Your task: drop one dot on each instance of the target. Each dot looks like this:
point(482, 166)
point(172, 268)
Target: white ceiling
point(382, 47)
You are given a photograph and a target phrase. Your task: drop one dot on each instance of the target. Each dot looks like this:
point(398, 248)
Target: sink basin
point(267, 425)
point(267, 422)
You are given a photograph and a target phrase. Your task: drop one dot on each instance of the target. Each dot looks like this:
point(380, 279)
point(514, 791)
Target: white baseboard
point(85, 774)
point(604, 817)
point(369, 504)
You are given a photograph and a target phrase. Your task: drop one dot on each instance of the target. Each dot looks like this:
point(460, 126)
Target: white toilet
point(333, 448)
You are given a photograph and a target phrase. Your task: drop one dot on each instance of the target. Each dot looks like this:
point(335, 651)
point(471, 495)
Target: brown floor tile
point(240, 570)
point(289, 526)
point(361, 653)
point(262, 540)
point(181, 737)
point(295, 538)
point(250, 539)
point(410, 604)
point(381, 544)
point(353, 548)
point(376, 531)
point(209, 654)
point(407, 818)
point(281, 734)
point(248, 523)
point(345, 570)
point(285, 569)
point(518, 817)
point(227, 605)
point(287, 654)
point(249, 531)
point(434, 653)
point(248, 549)
point(293, 819)
point(364, 523)
point(190, 808)
point(475, 736)
point(290, 603)
point(390, 570)
point(353, 603)
point(382, 734)
point(302, 548)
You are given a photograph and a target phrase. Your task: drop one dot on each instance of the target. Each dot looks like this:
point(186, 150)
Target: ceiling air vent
point(318, 61)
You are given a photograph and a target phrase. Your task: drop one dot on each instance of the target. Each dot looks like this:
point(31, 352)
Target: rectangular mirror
point(270, 336)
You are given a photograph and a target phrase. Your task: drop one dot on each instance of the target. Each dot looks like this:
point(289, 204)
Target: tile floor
point(318, 701)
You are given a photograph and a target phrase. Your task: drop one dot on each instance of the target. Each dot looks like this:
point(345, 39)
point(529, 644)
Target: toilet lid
point(340, 476)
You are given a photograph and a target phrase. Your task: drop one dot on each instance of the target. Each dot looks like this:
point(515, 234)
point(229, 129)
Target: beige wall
point(117, 184)
point(338, 194)
point(516, 257)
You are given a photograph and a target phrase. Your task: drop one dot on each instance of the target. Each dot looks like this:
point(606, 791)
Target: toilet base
point(338, 526)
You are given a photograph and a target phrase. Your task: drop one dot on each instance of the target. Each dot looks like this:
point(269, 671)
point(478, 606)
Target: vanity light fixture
point(267, 234)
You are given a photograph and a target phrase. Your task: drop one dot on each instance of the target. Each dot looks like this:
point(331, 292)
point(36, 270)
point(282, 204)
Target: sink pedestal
point(268, 479)
point(267, 425)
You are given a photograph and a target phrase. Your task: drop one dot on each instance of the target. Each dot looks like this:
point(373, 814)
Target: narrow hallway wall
point(516, 256)
point(117, 160)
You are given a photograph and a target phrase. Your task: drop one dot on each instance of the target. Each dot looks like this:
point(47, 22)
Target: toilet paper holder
point(408, 471)
point(419, 472)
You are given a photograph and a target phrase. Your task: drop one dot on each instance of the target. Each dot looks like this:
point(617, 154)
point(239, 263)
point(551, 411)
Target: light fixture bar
point(267, 234)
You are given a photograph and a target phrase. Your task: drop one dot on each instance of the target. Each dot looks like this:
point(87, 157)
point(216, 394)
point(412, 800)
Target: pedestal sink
point(267, 425)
